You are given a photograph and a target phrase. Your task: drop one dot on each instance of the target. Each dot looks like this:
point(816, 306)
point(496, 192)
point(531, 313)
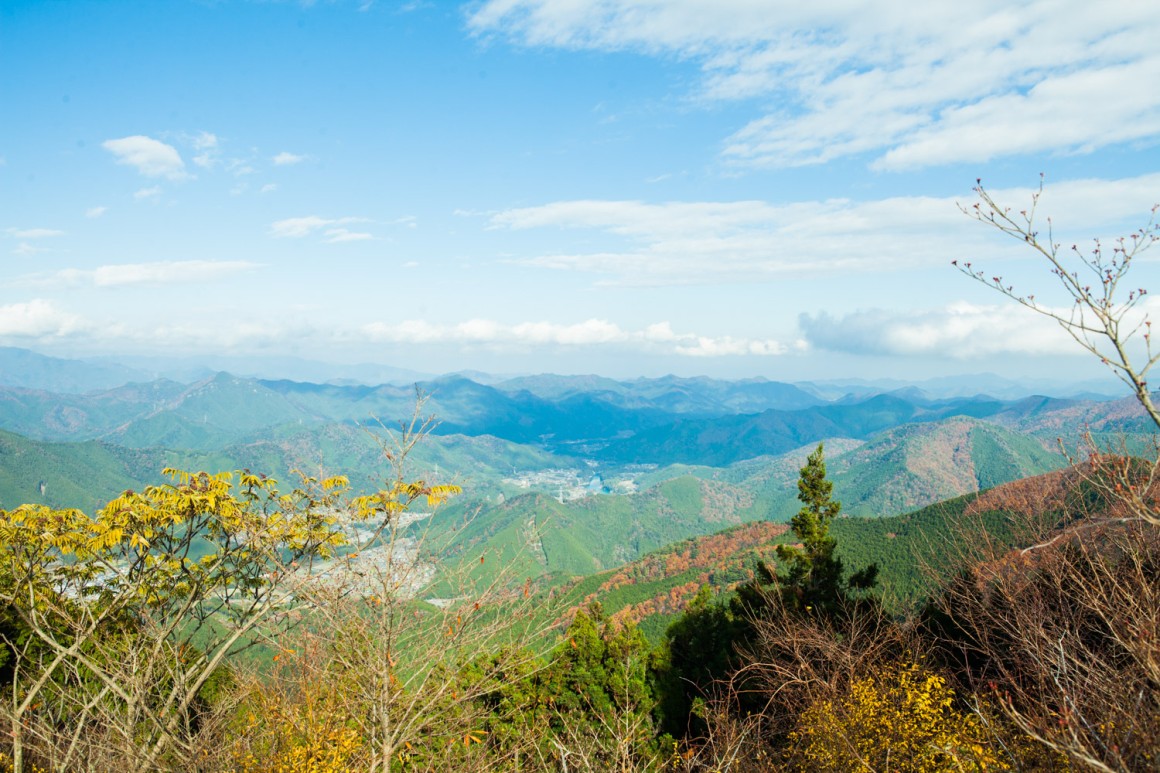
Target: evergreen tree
point(697, 651)
point(709, 641)
point(812, 580)
point(601, 691)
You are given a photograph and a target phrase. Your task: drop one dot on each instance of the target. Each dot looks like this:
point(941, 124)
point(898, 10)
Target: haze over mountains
point(675, 457)
point(26, 368)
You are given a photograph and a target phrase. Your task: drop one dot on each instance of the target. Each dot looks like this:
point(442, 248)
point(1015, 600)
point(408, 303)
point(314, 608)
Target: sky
point(733, 188)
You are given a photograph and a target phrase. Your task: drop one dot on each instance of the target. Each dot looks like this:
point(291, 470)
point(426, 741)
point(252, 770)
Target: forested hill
point(914, 551)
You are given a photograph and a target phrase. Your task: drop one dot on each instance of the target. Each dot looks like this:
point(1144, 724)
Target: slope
point(914, 552)
point(84, 475)
point(545, 537)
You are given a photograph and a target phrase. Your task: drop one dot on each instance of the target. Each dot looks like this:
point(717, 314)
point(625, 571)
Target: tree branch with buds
point(1101, 317)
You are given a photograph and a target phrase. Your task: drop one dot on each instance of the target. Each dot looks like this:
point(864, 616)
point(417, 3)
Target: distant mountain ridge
point(701, 395)
point(662, 421)
point(26, 369)
point(720, 441)
point(34, 370)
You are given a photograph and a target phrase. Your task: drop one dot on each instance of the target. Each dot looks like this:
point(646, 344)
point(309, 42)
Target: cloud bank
point(38, 319)
point(958, 331)
point(658, 337)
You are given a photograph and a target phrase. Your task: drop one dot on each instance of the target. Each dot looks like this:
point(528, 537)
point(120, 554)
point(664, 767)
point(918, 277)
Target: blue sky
point(628, 187)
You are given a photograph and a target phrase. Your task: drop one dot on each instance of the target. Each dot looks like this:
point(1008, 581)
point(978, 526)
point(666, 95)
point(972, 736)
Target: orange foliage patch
point(712, 553)
point(715, 551)
point(1030, 496)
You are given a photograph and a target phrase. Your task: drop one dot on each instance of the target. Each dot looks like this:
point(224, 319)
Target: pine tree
point(812, 580)
point(710, 640)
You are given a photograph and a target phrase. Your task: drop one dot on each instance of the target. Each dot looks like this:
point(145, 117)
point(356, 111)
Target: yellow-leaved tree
point(117, 625)
point(404, 654)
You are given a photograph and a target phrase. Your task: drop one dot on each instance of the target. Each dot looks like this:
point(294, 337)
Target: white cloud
point(721, 242)
point(147, 193)
point(287, 159)
point(28, 235)
point(301, 227)
point(336, 235)
point(910, 85)
point(33, 233)
point(40, 318)
point(94, 212)
point(958, 331)
point(715, 242)
point(161, 272)
point(150, 157)
point(269, 188)
point(206, 145)
point(658, 337)
point(25, 250)
point(1072, 111)
point(37, 318)
point(298, 227)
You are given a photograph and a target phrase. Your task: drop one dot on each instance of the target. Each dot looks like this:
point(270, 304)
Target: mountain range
point(562, 476)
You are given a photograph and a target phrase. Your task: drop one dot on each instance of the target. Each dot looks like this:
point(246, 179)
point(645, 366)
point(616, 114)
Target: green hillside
point(891, 473)
point(65, 417)
point(894, 472)
point(84, 475)
point(212, 414)
point(89, 473)
point(910, 467)
point(476, 463)
point(544, 536)
point(913, 551)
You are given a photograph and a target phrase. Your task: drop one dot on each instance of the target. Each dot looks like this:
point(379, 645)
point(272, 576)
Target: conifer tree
point(813, 577)
point(811, 581)
point(697, 651)
point(711, 641)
